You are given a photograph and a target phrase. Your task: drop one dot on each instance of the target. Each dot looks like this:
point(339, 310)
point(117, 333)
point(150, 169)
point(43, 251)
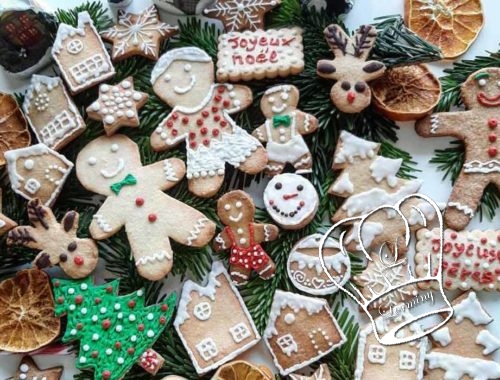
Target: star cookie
point(322, 373)
point(138, 34)
point(28, 370)
point(238, 15)
point(117, 106)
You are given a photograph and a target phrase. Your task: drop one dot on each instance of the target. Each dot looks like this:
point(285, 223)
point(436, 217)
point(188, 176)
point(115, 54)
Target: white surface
point(422, 150)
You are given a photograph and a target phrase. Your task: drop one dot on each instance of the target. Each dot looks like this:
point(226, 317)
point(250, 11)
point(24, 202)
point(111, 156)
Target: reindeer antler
point(337, 39)
point(364, 39)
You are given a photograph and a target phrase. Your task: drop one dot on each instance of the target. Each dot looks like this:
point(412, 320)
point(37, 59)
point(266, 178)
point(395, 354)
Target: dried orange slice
point(241, 370)
point(406, 92)
point(14, 132)
point(27, 320)
point(453, 25)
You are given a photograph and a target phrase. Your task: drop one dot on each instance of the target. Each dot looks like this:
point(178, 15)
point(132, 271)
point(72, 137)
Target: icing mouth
point(289, 214)
point(487, 101)
point(290, 196)
point(183, 90)
point(279, 109)
point(114, 173)
point(236, 218)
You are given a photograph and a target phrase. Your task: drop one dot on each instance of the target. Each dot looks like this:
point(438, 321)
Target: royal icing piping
point(476, 166)
point(490, 342)
point(267, 232)
point(456, 367)
point(152, 258)
point(442, 336)
point(471, 308)
point(219, 240)
point(464, 208)
point(102, 224)
point(197, 229)
point(352, 146)
point(369, 232)
point(169, 171)
point(386, 168)
point(343, 185)
point(434, 123)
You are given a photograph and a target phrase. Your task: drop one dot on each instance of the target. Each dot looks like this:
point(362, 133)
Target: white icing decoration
point(287, 344)
point(456, 367)
point(92, 161)
point(267, 232)
point(369, 232)
point(407, 360)
point(386, 168)
point(101, 223)
point(202, 311)
point(117, 170)
point(160, 256)
point(24, 367)
point(236, 218)
point(434, 123)
point(219, 240)
point(376, 354)
point(490, 342)
point(289, 318)
point(197, 229)
point(471, 308)
point(464, 208)
point(207, 349)
point(183, 90)
point(426, 208)
point(351, 147)
point(343, 184)
point(190, 54)
point(484, 167)
point(238, 13)
point(289, 183)
point(114, 148)
point(240, 332)
point(442, 336)
point(29, 164)
point(169, 171)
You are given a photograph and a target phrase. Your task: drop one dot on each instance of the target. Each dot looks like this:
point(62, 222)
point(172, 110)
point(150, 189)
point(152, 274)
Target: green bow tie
point(282, 120)
point(129, 180)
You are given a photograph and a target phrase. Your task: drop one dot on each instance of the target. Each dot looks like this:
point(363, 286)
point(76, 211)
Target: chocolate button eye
point(360, 87)
point(346, 86)
point(63, 257)
point(72, 246)
point(300, 188)
point(278, 186)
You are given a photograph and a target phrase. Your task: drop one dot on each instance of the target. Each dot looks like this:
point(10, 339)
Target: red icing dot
point(223, 123)
point(192, 135)
point(106, 324)
point(78, 260)
point(175, 116)
point(170, 124)
point(140, 327)
point(206, 142)
point(492, 151)
point(79, 326)
point(271, 202)
point(118, 345)
point(215, 132)
point(131, 304)
point(97, 301)
point(453, 235)
point(94, 354)
point(492, 137)
point(78, 300)
point(109, 289)
point(192, 144)
point(217, 98)
point(152, 218)
point(199, 122)
point(139, 201)
point(216, 117)
point(185, 120)
point(174, 132)
point(484, 240)
point(221, 89)
point(60, 300)
point(204, 131)
point(498, 237)
point(106, 374)
point(164, 307)
point(448, 283)
point(130, 350)
point(493, 123)
point(302, 203)
point(205, 113)
point(215, 109)
point(226, 103)
point(163, 320)
point(57, 283)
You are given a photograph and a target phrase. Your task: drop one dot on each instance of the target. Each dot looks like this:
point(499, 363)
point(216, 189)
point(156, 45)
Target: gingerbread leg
point(268, 271)
point(303, 164)
point(254, 163)
point(462, 204)
point(274, 168)
point(239, 275)
point(205, 187)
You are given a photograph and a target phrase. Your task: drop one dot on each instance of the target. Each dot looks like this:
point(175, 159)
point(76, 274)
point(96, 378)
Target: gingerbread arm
point(169, 133)
point(222, 241)
point(108, 220)
point(444, 124)
point(306, 123)
point(265, 232)
point(163, 174)
point(241, 99)
point(260, 133)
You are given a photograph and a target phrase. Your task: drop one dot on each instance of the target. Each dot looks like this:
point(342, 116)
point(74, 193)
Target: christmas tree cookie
point(114, 331)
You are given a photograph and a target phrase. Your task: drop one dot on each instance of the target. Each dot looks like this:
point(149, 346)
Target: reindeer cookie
point(111, 166)
point(479, 128)
point(58, 241)
point(184, 79)
point(351, 93)
point(283, 130)
point(243, 237)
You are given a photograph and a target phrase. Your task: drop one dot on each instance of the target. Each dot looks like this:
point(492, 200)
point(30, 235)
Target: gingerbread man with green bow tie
point(283, 130)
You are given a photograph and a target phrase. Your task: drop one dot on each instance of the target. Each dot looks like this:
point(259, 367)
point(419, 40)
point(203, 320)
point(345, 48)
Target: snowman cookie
point(111, 166)
point(243, 237)
point(184, 79)
point(283, 130)
point(291, 200)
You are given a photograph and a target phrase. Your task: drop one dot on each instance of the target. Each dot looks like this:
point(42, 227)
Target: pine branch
point(98, 13)
point(193, 33)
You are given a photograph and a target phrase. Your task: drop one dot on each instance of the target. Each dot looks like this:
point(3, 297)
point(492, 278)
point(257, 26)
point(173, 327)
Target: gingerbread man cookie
point(111, 166)
point(478, 127)
point(283, 130)
point(243, 237)
point(184, 79)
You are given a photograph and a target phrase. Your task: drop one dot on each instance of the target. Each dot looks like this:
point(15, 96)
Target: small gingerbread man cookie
point(283, 130)
point(184, 79)
point(243, 237)
point(479, 128)
point(111, 166)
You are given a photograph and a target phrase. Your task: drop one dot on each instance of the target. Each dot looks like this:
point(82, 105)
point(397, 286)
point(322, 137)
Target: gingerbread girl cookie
point(283, 130)
point(478, 127)
point(111, 166)
point(243, 237)
point(184, 79)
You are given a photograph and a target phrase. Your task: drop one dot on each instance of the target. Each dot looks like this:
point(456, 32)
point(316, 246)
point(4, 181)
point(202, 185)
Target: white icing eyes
point(498, 83)
point(227, 207)
point(29, 164)
point(187, 68)
point(114, 148)
point(238, 204)
point(481, 82)
point(92, 161)
point(167, 78)
point(271, 99)
point(285, 96)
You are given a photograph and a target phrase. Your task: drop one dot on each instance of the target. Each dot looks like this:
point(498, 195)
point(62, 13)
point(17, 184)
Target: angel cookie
point(184, 79)
point(243, 237)
point(479, 128)
point(283, 130)
point(111, 166)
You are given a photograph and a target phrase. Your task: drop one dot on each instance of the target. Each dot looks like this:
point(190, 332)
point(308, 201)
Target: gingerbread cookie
point(239, 15)
point(291, 200)
point(28, 370)
point(27, 318)
point(114, 331)
point(52, 115)
point(351, 93)
point(81, 55)
point(37, 172)
point(183, 78)
point(464, 347)
point(470, 258)
point(111, 166)
point(322, 373)
point(58, 242)
point(14, 132)
point(138, 34)
point(213, 321)
point(117, 105)
point(300, 331)
point(242, 236)
point(283, 130)
point(305, 269)
point(478, 127)
point(244, 56)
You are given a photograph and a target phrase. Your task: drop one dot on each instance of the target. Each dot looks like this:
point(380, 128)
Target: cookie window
point(202, 311)
point(207, 349)
point(376, 354)
point(239, 332)
point(287, 344)
point(407, 360)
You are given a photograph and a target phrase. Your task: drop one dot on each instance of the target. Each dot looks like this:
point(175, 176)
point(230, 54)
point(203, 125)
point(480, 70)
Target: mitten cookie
point(283, 130)
point(351, 93)
point(478, 128)
point(184, 79)
point(243, 237)
point(58, 241)
point(111, 166)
